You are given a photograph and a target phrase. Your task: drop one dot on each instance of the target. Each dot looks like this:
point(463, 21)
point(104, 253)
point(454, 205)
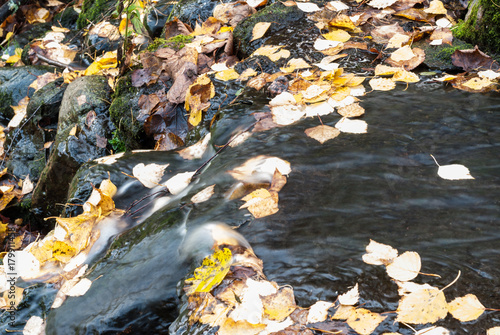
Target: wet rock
point(157, 17)
point(284, 29)
point(14, 83)
point(192, 11)
point(103, 37)
point(94, 11)
point(439, 57)
point(279, 85)
point(83, 128)
point(67, 18)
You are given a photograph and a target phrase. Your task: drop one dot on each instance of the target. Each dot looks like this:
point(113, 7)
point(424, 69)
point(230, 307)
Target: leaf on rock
point(350, 298)
point(241, 327)
point(34, 326)
point(106, 61)
point(381, 4)
point(405, 267)
point(308, 7)
point(406, 76)
point(211, 273)
point(382, 84)
point(401, 58)
point(364, 321)
point(477, 84)
point(322, 133)
point(422, 306)
point(379, 254)
point(319, 311)
point(466, 308)
point(197, 98)
point(203, 195)
point(179, 182)
point(258, 82)
point(196, 150)
point(64, 252)
point(279, 305)
point(347, 125)
point(321, 45)
point(226, 75)
point(397, 40)
point(149, 175)
point(402, 54)
point(436, 7)
point(295, 64)
point(27, 185)
point(343, 312)
point(473, 59)
point(260, 30)
point(261, 203)
point(352, 110)
point(337, 35)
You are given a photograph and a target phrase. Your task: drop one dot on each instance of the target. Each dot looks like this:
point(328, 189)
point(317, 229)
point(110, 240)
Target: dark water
point(382, 185)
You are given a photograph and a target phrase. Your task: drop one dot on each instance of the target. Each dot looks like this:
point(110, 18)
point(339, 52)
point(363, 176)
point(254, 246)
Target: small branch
point(59, 64)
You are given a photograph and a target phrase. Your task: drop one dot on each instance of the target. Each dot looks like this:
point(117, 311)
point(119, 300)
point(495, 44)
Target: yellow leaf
point(338, 35)
point(342, 21)
point(422, 306)
point(466, 308)
point(63, 252)
point(364, 321)
point(241, 327)
point(247, 74)
point(260, 193)
point(382, 84)
point(197, 98)
point(106, 61)
point(10, 299)
point(397, 40)
point(404, 267)
point(259, 30)
point(352, 110)
point(226, 75)
point(405, 76)
point(402, 54)
point(295, 64)
point(378, 253)
point(477, 83)
point(343, 312)
point(212, 271)
point(384, 70)
point(436, 7)
point(322, 133)
point(319, 311)
point(279, 305)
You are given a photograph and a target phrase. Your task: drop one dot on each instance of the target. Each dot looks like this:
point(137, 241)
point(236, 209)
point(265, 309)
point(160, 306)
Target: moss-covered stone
point(6, 112)
point(93, 10)
point(438, 57)
point(177, 42)
point(67, 18)
point(481, 25)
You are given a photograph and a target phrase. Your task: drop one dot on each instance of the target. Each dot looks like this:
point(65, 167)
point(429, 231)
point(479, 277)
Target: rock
point(157, 17)
point(94, 11)
point(192, 11)
point(14, 83)
point(83, 128)
point(439, 56)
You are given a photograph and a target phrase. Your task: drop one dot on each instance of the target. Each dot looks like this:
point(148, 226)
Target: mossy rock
point(481, 25)
point(281, 16)
point(192, 11)
point(438, 57)
point(93, 11)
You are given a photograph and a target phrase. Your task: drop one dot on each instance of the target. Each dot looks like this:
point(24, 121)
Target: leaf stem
point(435, 160)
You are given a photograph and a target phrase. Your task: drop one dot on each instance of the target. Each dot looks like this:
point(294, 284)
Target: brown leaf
point(416, 14)
point(101, 142)
point(382, 34)
point(259, 81)
point(168, 141)
point(184, 78)
point(473, 59)
point(352, 110)
point(322, 133)
point(89, 119)
point(278, 182)
point(443, 34)
point(147, 103)
point(409, 64)
point(143, 76)
point(233, 13)
point(176, 27)
point(265, 122)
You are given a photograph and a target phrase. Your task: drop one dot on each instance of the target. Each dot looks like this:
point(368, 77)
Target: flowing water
point(382, 185)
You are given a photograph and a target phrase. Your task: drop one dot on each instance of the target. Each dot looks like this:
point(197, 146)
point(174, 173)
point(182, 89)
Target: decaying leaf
point(472, 59)
point(149, 175)
point(352, 110)
point(279, 305)
point(212, 271)
point(322, 133)
point(197, 98)
point(422, 306)
point(466, 308)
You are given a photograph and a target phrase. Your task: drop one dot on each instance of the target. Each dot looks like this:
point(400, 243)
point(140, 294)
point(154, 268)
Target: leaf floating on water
point(260, 30)
point(212, 271)
point(226, 75)
point(364, 321)
point(346, 125)
point(322, 133)
point(379, 254)
point(382, 84)
point(352, 110)
point(466, 308)
point(196, 150)
point(319, 311)
point(149, 175)
point(287, 114)
point(203, 195)
point(422, 306)
point(453, 171)
point(179, 182)
point(493, 331)
point(322, 108)
point(404, 267)
point(261, 203)
point(351, 297)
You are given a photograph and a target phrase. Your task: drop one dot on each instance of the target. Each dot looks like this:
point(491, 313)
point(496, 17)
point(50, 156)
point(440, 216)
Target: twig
point(59, 64)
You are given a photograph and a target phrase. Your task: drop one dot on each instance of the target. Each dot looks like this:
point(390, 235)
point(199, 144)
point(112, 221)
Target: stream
point(382, 185)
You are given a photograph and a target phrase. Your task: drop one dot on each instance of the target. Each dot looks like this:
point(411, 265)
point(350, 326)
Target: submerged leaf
point(212, 271)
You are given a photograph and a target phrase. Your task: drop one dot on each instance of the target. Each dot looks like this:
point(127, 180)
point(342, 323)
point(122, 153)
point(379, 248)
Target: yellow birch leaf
point(266, 50)
point(107, 187)
point(322, 133)
point(343, 312)
point(402, 54)
point(63, 252)
point(379, 253)
point(477, 83)
point(212, 271)
point(405, 76)
point(384, 70)
point(259, 30)
point(436, 7)
point(295, 64)
point(337, 35)
point(342, 21)
point(341, 93)
point(352, 110)
point(493, 331)
point(422, 306)
point(283, 53)
point(397, 40)
point(260, 193)
point(227, 75)
point(279, 305)
point(247, 74)
point(364, 321)
point(405, 267)
point(466, 308)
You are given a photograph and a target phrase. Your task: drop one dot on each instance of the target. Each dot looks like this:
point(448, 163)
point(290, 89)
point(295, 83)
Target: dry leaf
point(203, 195)
point(260, 30)
point(34, 326)
point(322, 108)
point(287, 114)
point(422, 306)
point(226, 75)
point(402, 54)
point(149, 175)
point(322, 133)
point(453, 171)
point(80, 288)
point(379, 254)
point(405, 76)
point(384, 70)
point(336, 6)
point(242, 327)
point(352, 110)
point(364, 321)
point(347, 125)
point(342, 21)
point(405, 267)
point(27, 185)
point(398, 40)
point(319, 311)
point(260, 169)
point(308, 7)
point(279, 305)
point(382, 84)
point(350, 298)
point(466, 308)
point(337, 35)
point(295, 64)
point(381, 4)
point(179, 182)
point(436, 7)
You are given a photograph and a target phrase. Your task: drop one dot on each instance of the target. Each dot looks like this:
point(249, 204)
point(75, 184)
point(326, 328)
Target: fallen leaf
point(27, 186)
point(379, 254)
point(350, 298)
point(179, 182)
point(211, 272)
point(80, 288)
point(261, 203)
point(226, 75)
point(196, 150)
point(405, 267)
point(352, 110)
point(382, 84)
point(247, 74)
point(295, 64)
point(397, 40)
point(258, 82)
point(347, 125)
point(422, 306)
point(287, 114)
point(453, 171)
point(434, 330)
point(400, 58)
point(406, 76)
point(477, 84)
point(260, 169)
point(197, 98)
point(336, 6)
point(319, 311)
point(466, 308)
point(149, 175)
point(203, 195)
point(321, 44)
point(282, 99)
point(308, 7)
point(473, 59)
point(242, 327)
point(342, 21)
point(493, 331)
point(402, 54)
point(436, 7)
point(34, 326)
point(343, 312)
point(260, 30)
point(381, 4)
point(322, 133)
point(279, 305)
point(322, 108)
point(337, 35)
point(364, 321)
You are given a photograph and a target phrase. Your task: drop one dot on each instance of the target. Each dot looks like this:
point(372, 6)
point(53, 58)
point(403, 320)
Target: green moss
point(93, 10)
point(486, 32)
point(177, 42)
point(117, 142)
